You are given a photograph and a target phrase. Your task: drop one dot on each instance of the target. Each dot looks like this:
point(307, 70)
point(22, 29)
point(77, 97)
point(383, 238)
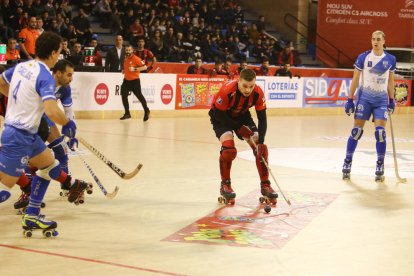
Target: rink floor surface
point(167, 221)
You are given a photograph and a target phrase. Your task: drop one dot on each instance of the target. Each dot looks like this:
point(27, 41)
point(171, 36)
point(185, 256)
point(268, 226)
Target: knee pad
point(356, 133)
point(60, 150)
point(51, 172)
point(380, 134)
point(228, 154)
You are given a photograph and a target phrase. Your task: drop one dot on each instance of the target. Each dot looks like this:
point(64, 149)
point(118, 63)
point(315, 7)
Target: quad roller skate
point(269, 196)
point(227, 195)
point(81, 198)
point(379, 172)
point(346, 169)
point(31, 223)
point(21, 204)
point(76, 192)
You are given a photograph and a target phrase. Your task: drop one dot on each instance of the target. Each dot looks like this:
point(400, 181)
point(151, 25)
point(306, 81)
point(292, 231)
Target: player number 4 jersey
point(30, 82)
point(375, 71)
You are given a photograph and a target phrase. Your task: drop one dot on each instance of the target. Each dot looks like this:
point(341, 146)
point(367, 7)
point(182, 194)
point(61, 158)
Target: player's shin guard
point(381, 145)
point(59, 149)
point(227, 154)
point(352, 143)
point(261, 167)
point(39, 187)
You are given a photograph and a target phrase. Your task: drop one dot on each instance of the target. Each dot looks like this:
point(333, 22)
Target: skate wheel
point(27, 234)
point(220, 199)
point(81, 201)
point(61, 193)
point(261, 199)
point(346, 176)
point(267, 209)
point(42, 205)
point(89, 192)
point(225, 201)
point(47, 233)
point(55, 233)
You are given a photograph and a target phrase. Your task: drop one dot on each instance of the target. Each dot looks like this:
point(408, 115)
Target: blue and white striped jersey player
point(63, 74)
point(374, 78)
point(31, 90)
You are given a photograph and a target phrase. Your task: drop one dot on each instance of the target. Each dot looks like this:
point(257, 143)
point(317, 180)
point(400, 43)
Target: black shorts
point(245, 119)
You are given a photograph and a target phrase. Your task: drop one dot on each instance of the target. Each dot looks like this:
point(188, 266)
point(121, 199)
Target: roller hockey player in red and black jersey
point(230, 113)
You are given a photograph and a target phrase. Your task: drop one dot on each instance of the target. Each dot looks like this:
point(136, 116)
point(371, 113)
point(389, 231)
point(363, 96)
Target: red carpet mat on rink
point(247, 224)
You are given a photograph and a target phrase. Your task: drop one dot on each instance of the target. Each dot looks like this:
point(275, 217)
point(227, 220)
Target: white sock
point(4, 187)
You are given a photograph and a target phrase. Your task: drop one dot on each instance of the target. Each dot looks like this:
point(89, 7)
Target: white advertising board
point(282, 92)
point(102, 91)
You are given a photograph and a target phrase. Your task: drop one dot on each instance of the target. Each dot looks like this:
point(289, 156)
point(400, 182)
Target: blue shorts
point(365, 108)
point(18, 147)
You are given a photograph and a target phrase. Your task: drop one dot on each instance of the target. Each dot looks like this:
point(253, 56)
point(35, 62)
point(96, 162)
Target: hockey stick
point(113, 167)
point(104, 191)
point(402, 180)
point(273, 177)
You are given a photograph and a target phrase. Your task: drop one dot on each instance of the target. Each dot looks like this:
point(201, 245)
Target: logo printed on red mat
point(101, 93)
point(166, 94)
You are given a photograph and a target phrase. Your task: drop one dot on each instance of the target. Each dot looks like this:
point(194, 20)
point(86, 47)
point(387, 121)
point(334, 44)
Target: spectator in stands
point(8, 13)
point(253, 32)
point(103, 10)
point(82, 27)
point(38, 8)
point(76, 56)
point(286, 56)
point(24, 19)
point(115, 56)
point(227, 67)
point(238, 16)
point(65, 49)
point(136, 31)
point(263, 70)
point(27, 39)
point(261, 25)
point(61, 25)
point(218, 68)
point(145, 55)
point(197, 68)
point(157, 46)
point(259, 51)
point(70, 34)
point(242, 66)
point(5, 33)
point(39, 24)
point(284, 71)
point(97, 50)
point(12, 54)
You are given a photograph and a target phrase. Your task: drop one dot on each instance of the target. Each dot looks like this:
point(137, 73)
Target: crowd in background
point(173, 30)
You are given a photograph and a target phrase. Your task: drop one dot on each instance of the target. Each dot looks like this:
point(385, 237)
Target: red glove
point(261, 151)
point(244, 132)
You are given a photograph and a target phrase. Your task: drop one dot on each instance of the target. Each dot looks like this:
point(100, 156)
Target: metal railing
point(336, 56)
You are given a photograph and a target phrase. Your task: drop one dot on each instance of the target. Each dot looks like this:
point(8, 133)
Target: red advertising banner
point(348, 25)
point(403, 89)
point(197, 91)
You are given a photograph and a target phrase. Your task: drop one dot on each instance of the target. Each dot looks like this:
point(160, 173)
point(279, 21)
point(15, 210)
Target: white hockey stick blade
point(113, 194)
point(133, 173)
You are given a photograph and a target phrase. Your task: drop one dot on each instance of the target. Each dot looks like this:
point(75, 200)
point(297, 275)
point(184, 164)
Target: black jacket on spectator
point(113, 62)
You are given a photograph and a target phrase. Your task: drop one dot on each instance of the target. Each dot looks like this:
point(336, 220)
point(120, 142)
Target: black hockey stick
point(104, 191)
point(113, 167)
